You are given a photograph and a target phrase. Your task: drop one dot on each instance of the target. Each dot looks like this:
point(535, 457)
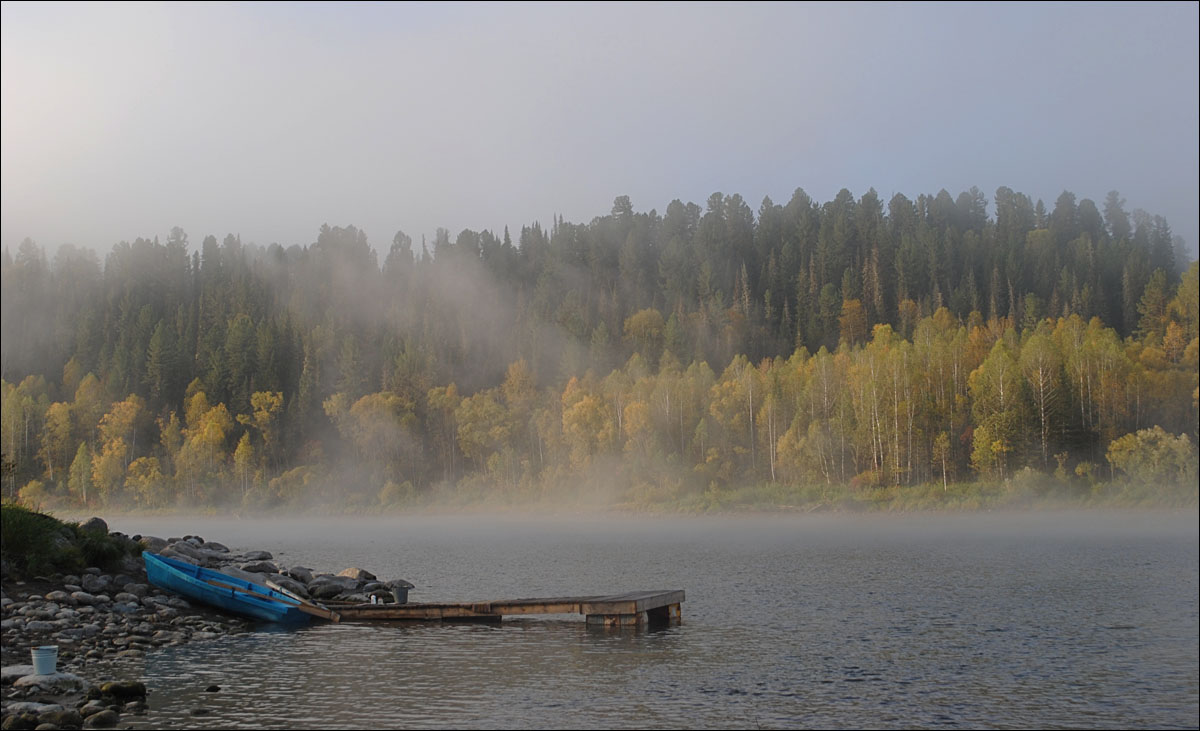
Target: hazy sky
point(268, 120)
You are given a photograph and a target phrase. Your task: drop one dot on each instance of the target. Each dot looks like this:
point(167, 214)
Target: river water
point(938, 621)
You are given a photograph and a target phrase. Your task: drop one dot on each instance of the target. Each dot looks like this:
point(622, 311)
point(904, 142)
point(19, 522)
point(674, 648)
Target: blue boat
point(229, 592)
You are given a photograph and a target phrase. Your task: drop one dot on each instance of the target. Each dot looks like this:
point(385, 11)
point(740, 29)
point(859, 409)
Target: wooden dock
point(615, 610)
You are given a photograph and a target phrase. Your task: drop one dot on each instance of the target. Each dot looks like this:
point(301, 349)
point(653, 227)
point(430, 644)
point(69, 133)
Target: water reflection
point(786, 625)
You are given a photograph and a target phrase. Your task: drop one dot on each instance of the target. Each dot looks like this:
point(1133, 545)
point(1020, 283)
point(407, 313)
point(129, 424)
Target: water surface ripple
point(1052, 621)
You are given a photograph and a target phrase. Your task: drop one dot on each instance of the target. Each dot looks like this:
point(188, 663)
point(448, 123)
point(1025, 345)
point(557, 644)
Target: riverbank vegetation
point(827, 356)
point(36, 543)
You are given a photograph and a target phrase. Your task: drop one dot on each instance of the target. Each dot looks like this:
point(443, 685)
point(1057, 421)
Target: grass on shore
point(35, 543)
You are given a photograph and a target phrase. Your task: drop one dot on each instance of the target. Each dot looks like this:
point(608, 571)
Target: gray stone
point(94, 584)
point(138, 590)
point(178, 602)
point(324, 589)
point(52, 683)
point(218, 547)
point(31, 707)
point(301, 574)
point(153, 544)
point(260, 567)
point(237, 573)
point(9, 673)
point(290, 584)
point(20, 721)
point(59, 596)
point(163, 636)
point(357, 574)
point(82, 597)
point(257, 556)
point(187, 549)
point(94, 525)
point(124, 690)
point(65, 718)
point(92, 706)
point(39, 625)
point(104, 719)
point(172, 553)
point(125, 596)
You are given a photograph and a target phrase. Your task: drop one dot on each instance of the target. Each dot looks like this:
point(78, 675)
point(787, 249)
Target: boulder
point(324, 589)
point(31, 707)
point(52, 683)
point(153, 544)
point(94, 525)
point(20, 721)
point(9, 673)
point(124, 690)
point(290, 584)
point(357, 574)
point(65, 718)
point(237, 573)
point(104, 719)
point(82, 597)
point(187, 549)
point(257, 556)
point(170, 552)
point(94, 705)
point(301, 574)
point(260, 567)
point(95, 584)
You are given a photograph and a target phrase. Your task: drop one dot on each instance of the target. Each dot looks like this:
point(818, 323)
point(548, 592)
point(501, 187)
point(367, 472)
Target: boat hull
point(193, 582)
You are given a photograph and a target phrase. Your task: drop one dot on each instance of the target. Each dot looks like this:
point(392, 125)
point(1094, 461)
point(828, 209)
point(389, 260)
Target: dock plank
point(629, 604)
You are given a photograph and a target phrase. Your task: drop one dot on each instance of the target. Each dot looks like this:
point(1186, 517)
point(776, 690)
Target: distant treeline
point(696, 350)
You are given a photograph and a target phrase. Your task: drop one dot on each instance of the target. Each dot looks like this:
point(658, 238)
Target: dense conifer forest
point(641, 358)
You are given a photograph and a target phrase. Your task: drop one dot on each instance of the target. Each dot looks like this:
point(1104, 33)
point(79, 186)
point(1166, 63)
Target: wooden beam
point(617, 605)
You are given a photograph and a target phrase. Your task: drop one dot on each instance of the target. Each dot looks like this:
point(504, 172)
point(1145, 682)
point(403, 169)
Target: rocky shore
point(99, 620)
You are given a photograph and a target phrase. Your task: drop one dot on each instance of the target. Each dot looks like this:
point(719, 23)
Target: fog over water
point(1046, 620)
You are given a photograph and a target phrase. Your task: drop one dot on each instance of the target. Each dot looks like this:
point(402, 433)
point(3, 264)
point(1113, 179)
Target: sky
point(269, 120)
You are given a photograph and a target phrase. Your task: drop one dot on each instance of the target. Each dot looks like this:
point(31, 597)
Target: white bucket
point(45, 659)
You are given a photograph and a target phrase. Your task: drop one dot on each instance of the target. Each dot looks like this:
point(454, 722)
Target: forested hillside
point(641, 356)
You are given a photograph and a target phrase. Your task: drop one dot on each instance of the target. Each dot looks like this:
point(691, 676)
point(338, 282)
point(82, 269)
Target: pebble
point(99, 619)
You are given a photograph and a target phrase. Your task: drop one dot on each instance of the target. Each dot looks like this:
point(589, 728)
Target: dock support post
point(665, 615)
point(618, 620)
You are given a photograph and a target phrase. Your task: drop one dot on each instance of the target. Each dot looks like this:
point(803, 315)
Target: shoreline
point(104, 623)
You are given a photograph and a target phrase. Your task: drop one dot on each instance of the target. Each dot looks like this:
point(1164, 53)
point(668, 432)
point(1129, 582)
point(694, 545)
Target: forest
point(807, 350)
